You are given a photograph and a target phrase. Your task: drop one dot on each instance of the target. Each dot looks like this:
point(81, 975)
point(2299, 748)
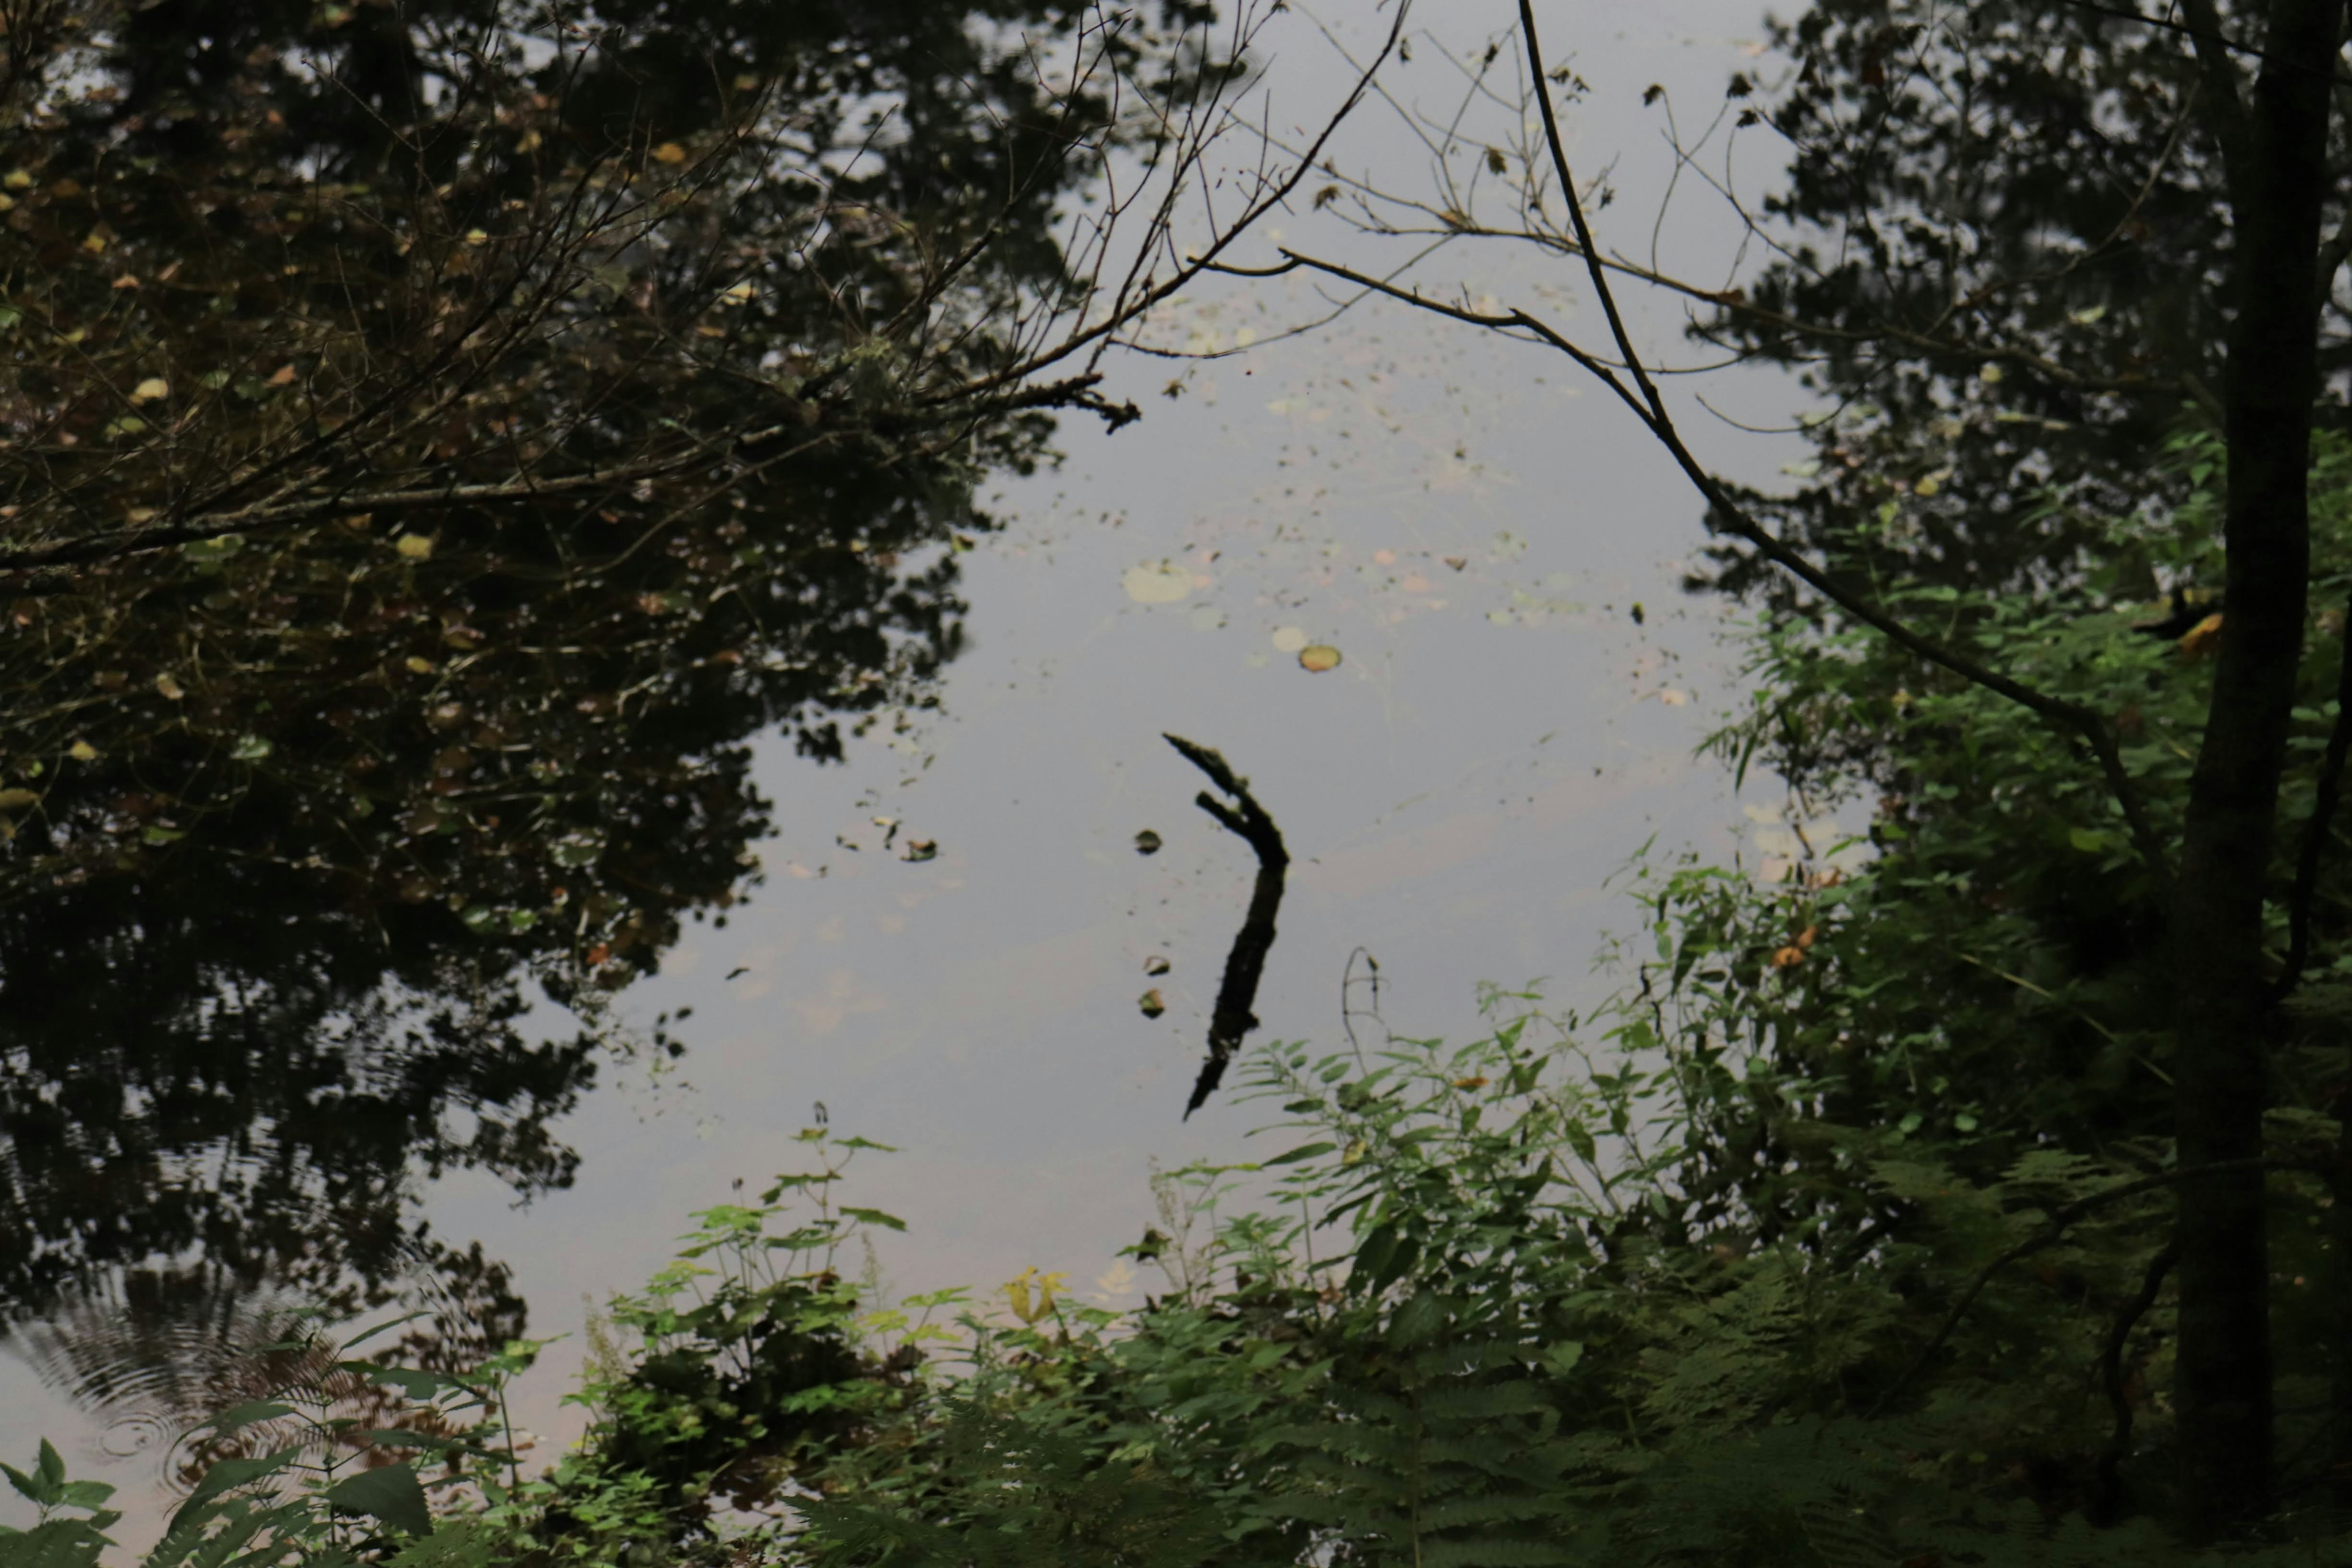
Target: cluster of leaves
point(2003, 229)
point(1472, 1318)
point(339, 1460)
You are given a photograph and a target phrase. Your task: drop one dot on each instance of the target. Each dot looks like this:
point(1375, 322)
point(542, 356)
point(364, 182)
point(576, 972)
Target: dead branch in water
point(1246, 964)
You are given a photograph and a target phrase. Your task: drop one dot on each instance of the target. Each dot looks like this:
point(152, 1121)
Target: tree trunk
point(2278, 182)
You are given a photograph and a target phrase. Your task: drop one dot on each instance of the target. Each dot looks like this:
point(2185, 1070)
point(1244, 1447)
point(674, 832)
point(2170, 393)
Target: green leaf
point(389, 1492)
point(52, 1465)
point(229, 1475)
point(246, 1414)
point(29, 1488)
point(92, 1495)
point(415, 1383)
point(1304, 1151)
point(873, 1216)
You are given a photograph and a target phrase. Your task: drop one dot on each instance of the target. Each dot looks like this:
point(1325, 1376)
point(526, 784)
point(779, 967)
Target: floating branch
point(1247, 962)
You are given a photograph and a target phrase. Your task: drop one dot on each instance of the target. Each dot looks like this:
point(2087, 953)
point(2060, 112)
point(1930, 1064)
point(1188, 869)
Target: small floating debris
point(1147, 841)
point(1149, 1005)
point(1318, 658)
point(921, 850)
point(1156, 965)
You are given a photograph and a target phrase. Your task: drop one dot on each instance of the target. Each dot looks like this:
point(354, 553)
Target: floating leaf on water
point(1147, 841)
point(1319, 658)
point(1159, 585)
point(1290, 639)
point(578, 850)
point(1156, 965)
point(1208, 618)
point(1674, 698)
point(1149, 1005)
point(1458, 562)
point(920, 849)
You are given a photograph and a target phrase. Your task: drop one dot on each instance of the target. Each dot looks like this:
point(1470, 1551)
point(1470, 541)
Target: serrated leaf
point(389, 1492)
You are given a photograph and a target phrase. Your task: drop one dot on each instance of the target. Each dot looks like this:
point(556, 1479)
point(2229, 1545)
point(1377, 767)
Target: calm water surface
point(1468, 523)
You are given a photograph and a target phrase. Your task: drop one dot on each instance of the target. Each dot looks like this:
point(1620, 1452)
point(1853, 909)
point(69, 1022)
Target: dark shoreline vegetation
point(439, 441)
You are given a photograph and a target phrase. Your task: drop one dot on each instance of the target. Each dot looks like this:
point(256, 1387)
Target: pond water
point(1495, 549)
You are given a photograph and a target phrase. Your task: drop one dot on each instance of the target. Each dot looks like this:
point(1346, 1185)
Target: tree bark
point(2223, 1394)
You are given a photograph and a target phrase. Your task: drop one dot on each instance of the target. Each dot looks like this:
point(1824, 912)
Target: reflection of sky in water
point(1471, 529)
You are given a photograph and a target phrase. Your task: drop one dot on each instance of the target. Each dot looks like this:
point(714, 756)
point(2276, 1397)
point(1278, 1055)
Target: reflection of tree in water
point(157, 1355)
point(301, 820)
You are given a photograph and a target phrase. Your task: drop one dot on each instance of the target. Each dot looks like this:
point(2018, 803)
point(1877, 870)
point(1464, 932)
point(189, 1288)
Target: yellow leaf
point(128, 281)
point(414, 546)
point(283, 377)
point(2201, 638)
point(477, 236)
point(1318, 658)
point(169, 687)
point(670, 153)
point(94, 242)
point(420, 664)
point(17, 180)
point(1150, 1005)
point(148, 390)
point(1991, 372)
point(82, 752)
point(18, 799)
point(1789, 958)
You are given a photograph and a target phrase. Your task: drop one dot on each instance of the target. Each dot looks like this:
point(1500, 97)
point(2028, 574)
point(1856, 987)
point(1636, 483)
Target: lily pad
point(1155, 584)
point(1290, 639)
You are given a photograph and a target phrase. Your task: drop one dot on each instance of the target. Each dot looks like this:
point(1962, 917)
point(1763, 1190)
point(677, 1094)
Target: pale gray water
point(1497, 741)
